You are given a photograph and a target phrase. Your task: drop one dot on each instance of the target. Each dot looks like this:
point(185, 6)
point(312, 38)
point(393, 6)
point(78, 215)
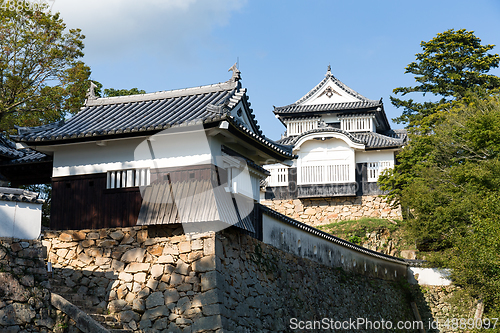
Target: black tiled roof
point(292, 108)
point(362, 105)
point(102, 118)
point(376, 140)
point(371, 140)
point(12, 155)
point(138, 113)
point(30, 156)
point(297, 108)
point(397, 134)
point(288, 141)
point(8, 148)
point(16, 194)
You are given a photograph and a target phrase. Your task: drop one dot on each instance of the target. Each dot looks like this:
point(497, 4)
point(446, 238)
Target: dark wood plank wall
point(83, 202)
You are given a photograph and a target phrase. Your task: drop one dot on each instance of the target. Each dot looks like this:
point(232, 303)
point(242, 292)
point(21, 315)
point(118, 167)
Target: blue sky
point(283, 46)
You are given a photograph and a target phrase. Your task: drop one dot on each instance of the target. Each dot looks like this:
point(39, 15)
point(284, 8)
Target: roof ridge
point(227, 85)
point(314, 107)
point(382, 135)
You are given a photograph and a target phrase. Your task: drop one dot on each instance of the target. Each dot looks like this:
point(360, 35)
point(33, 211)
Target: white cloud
point(165, 28)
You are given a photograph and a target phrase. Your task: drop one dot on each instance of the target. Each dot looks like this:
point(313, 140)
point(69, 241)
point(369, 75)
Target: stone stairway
point(90, 305)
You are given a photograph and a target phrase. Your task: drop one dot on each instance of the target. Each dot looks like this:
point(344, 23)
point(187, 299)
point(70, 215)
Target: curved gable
point(324, 135)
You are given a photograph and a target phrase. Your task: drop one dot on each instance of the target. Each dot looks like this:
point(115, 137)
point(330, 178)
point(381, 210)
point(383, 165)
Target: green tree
point(450, 65)
point(454, 197)
point(122, 92)
point(41, 76)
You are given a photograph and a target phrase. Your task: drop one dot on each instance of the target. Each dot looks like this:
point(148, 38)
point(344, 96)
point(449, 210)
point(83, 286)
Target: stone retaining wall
point(265, 289)
point(328, 210)
point(24, 295)
point(157, 279)
point(437, 304)
point(153, 278)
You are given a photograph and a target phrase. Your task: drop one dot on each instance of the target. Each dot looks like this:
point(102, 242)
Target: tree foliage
point(122, 92)
point(448, 176)
point(450, 65)
point(454, 196)
point(41, 76)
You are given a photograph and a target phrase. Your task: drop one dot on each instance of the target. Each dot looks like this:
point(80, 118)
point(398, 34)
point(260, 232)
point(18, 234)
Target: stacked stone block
point(264, 289)
point(24, 295)
point(328, 210)
point(152, 279)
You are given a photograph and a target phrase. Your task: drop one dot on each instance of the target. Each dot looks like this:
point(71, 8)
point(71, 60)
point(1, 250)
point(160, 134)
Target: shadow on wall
point(152, 277)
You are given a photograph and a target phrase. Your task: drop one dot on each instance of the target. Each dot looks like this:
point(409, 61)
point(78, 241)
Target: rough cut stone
point(65, 237)
point(117, 266)
point(184, 247)
point(155, 250)
point(8, 316)
point(158, 312)
point(85, 258)
point(11, 289)
point(142, 235)
point(139, 305)
point(126, 277)
point(116, 305)
point(197, 244)
point(167, 259)
point(208, 246)
point(183, 304)
point(176, 279)
point(157, 271)
point(211, 309)
point(208, 280)
point(182, 268)
point(171, 296)
point(137, 267)
point(204, 324)
point(140, 277)
point(117, 235)
point(154, 300)
point(93, 235)
point(127, 316)
point(28, 280)
point(208, 297)
point(204, 264)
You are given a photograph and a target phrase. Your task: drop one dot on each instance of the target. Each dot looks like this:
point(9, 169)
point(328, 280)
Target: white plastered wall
point(329, 151)
point(374, 156)
point(20, 219)
point(305, 244)
point(167, 150)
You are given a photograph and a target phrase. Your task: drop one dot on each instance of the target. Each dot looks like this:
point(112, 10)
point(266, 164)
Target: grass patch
point(355, 231)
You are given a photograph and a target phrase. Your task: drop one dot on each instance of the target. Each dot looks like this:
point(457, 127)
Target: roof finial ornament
point(90, 92)
point(329, 70)
point(236, 73)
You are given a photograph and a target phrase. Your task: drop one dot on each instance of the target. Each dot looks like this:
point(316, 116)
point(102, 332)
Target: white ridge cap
point(221, 86)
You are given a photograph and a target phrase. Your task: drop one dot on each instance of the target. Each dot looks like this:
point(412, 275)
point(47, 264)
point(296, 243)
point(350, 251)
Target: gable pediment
point(331, 91)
